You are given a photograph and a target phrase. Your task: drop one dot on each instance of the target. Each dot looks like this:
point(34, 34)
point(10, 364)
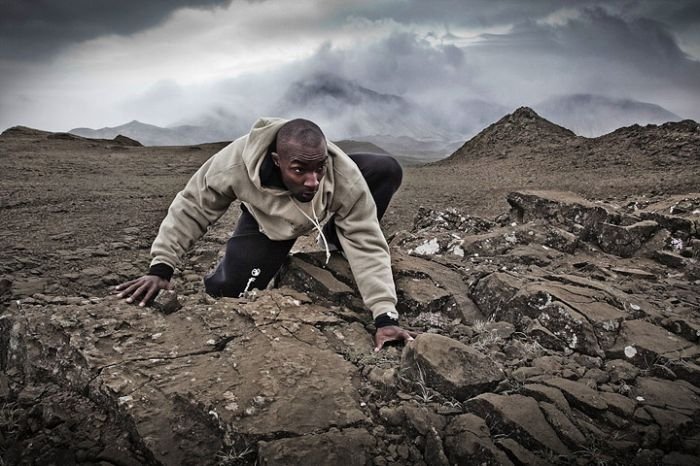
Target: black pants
point(252, 259)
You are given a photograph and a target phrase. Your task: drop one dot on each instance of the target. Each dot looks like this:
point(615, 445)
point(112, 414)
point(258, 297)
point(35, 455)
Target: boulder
point(567, 210)
point(353, 447)
point(579, 395)
point(448, 366)
point(625, 241)
point(519, 417)
point(676, 395)
point(641, 343)
point(467, 441)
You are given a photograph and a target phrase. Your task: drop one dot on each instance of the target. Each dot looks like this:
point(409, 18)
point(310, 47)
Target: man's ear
point(276, 158)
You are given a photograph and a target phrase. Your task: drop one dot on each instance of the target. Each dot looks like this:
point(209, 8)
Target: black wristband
point(383, 320)
point(161, 270)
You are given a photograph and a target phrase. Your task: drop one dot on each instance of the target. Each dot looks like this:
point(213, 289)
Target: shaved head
point(300, 133)
point(301, 157)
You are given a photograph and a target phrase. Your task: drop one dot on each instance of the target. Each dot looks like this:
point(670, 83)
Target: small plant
point(233, 456)
point(486, 340)
point(454, 404)
point(10, 415)
point(425, 394)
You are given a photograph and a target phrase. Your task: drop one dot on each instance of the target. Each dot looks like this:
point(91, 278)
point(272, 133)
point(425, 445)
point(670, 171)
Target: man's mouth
point(308, 195)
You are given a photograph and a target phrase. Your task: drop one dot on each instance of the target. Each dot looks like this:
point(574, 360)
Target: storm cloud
point(446, 68)
point(37, 29)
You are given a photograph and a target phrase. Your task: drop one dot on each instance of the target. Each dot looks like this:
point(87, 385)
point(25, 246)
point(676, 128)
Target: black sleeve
point(383, 320)
point(161, 270)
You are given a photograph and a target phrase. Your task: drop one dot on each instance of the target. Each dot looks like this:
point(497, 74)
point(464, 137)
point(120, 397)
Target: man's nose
point(312, 181)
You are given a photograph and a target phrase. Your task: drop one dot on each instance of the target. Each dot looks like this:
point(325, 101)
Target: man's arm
point(368, 255)
point(203, 200)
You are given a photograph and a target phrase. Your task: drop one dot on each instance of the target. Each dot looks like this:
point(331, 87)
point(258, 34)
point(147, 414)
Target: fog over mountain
point(396, 124)
point(593, 115)
point(401, 69)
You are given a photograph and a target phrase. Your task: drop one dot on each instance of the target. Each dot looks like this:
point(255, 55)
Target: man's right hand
point(145, 288)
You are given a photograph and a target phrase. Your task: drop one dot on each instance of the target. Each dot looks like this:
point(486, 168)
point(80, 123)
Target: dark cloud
point(635, 52)
point(33, 30)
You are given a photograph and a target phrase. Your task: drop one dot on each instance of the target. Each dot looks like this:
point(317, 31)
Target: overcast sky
point(95, 63)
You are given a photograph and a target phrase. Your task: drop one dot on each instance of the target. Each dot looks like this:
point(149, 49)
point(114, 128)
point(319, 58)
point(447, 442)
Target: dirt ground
point(68, 205)
point(78, 216)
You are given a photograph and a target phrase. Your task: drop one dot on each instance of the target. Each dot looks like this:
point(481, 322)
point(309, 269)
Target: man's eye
point(321, 169)
point(297, 170)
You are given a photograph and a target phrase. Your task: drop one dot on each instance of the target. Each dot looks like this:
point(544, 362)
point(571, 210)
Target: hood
point(261, 135)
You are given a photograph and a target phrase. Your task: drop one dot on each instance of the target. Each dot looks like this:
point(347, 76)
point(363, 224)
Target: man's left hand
point(391, 333)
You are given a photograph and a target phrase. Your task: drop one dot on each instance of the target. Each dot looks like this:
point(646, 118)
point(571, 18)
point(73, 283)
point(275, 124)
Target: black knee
point(379, 169)
point(392, 170)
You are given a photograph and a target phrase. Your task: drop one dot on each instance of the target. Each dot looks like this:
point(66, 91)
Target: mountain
point(593, 115)
point(524, 136)
point(151, 135)
point(348, 110)
point(518, 133)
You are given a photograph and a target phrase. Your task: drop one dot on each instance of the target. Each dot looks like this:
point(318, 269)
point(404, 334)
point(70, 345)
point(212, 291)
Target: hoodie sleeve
point(204, 199)
point(367, 252)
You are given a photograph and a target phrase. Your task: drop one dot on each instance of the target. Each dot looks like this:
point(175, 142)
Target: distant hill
point(151, 135)
point(593, 115)
point(23, 132)
point(524, 135)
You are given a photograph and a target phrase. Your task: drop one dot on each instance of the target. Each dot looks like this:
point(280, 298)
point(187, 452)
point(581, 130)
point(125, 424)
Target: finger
point(379, 341)
point(139, 292)
point(125, 284)
point(412, 333)
point(150, 294)
point(131, 289)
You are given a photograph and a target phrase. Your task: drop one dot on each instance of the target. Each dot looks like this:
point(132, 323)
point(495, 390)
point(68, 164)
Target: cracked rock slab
point(352, 447)
point(179, 381)
point(519, 416)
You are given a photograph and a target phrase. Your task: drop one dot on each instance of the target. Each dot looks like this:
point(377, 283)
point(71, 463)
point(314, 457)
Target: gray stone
point(579, 395)
point(561, 240)
point(640, 342)
point(621, 371)
point(566, 429)
point(467, 441)
point(520, 417)
point(520, 454)
point(166, 302)
point(424, 285)
point(677, 458)
point(353, 447)
point(625, 241)
point(449, 366)
point(565, 209)
point(676, 395)
point(547, 394)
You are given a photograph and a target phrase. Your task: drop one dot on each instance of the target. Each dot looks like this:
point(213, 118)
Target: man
point(288, 179)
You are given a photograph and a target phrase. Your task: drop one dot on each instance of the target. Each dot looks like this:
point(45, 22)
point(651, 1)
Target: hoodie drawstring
point(317, 225)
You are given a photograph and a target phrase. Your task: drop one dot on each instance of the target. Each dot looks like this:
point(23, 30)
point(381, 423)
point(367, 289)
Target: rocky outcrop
point(556, 334)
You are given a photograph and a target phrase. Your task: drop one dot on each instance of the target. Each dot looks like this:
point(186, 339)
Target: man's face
point(302, 168)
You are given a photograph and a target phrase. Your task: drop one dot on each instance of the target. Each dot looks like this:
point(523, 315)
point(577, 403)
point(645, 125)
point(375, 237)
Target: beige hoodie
point(234, 173)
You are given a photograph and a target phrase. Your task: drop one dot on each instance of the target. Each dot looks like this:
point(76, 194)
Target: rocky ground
point(561, 331)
